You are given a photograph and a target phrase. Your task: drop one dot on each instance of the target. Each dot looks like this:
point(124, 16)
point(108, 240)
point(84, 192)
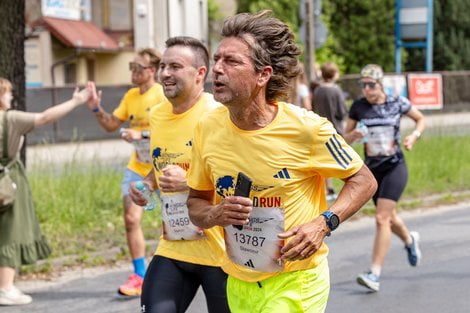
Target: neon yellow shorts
point(292, 292)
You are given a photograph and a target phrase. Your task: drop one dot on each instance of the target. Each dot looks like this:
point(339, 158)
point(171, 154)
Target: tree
point(12, 51)
point(364, 31)
point(451, 46)
point(12, 63)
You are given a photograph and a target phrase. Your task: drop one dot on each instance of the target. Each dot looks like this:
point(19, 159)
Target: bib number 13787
point(255, 241)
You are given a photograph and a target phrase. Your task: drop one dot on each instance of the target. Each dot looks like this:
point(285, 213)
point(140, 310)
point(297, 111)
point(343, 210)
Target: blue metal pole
point(429, 38)
point(397, 37)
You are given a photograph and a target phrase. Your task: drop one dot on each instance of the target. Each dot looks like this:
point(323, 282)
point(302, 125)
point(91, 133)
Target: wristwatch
point(145, 134)
point(332, 220)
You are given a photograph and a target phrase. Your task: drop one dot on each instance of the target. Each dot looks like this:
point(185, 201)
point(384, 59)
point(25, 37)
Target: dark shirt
point(379, 118)
point(328, 101)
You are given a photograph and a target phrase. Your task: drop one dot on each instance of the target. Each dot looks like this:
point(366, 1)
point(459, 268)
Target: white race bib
point(175, 218)
point(142, 148)
point(255, 245)
point(381, 141)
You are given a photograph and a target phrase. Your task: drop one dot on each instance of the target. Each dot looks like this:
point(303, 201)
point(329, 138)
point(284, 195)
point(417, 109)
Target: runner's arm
point(418, 117)
point(136, 195)
point(308, 237)
point(351, 134)
point(108, 121)
point(230, 211)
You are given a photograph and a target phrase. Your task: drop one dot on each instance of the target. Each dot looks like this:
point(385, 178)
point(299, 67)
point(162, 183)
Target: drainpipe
point(67, 59)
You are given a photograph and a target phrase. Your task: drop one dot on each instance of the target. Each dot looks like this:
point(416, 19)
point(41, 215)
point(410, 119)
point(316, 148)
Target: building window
point(70, 73)
point(90, 69)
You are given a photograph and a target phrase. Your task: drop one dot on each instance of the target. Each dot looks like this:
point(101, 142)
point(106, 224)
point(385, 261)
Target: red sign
point(425, 90)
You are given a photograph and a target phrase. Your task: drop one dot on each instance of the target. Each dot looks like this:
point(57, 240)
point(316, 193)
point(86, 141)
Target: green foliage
point(213, 11)
point(451, 47)
point(364, 32)
point(285, 10)
point(80, 209)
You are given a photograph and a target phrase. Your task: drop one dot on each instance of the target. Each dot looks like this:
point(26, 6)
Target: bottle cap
point(140, 185)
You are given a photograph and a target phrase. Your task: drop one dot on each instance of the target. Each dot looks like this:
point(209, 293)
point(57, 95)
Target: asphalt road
point(440, 284)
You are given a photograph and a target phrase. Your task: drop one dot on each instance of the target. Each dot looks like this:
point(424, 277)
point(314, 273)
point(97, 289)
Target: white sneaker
point(13, 296)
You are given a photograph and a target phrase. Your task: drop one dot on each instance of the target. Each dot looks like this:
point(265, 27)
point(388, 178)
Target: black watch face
point(334, 221)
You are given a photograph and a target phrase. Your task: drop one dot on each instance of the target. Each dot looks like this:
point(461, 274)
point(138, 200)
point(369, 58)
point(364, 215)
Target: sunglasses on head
point(371, 85)
point(136, 67)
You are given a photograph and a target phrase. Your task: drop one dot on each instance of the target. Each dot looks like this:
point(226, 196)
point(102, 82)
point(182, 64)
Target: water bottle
point(151, 197)
point(363, 129)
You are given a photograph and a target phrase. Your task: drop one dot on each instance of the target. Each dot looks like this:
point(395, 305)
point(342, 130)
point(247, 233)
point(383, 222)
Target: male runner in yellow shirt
point(274, 238)
point(187, 256)
point(134, 107)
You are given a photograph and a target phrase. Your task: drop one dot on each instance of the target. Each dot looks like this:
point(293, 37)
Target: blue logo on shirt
point(225, 186)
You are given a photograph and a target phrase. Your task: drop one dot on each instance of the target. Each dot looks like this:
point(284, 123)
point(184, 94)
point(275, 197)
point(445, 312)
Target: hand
point(409, 142)
point(173, 179)
point(95, 97)
point(356, 135)
point(81, 96)
point(306, 239)
point(231, 211)
point(130, 135)
point(136, 195)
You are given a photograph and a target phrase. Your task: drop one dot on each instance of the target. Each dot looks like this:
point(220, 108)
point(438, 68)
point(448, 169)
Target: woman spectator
point(21, 240)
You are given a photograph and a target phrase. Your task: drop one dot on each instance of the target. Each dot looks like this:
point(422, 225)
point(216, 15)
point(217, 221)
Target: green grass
point(79, 207)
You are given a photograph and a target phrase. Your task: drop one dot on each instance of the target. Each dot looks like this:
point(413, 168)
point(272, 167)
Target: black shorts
point(391, 182)
point(170, 286)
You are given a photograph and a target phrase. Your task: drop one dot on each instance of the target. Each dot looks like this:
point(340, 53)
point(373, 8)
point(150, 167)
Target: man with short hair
point(187, 256)
point(274, 238)
point(134, 107)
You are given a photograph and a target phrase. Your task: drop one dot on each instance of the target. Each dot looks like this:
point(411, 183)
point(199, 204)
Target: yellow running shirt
point(171, 143)
point(135, 108)
point(288, 161)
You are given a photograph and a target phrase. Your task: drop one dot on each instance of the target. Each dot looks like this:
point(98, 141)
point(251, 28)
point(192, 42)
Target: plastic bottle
point(151, 197)
point(363, 128)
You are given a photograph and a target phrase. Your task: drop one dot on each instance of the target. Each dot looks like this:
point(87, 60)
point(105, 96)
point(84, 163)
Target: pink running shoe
point(133, 286)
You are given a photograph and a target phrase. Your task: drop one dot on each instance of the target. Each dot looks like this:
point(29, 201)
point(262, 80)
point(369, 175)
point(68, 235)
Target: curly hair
point(272, 43)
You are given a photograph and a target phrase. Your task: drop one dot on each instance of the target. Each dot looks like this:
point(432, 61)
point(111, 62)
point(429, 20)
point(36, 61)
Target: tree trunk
point(12, 65)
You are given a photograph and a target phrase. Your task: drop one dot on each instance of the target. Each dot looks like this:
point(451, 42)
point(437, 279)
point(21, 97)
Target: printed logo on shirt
point(225, 186)
point(162, 158)
point(249, 263)
point(337, 152)
point(283, 174)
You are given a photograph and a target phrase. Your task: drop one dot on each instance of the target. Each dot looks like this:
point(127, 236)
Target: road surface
point(440, 284)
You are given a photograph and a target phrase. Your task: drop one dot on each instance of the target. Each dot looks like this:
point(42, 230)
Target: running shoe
point(13, 296)
point(413, 251)
point(369, 280)
point(133, 286)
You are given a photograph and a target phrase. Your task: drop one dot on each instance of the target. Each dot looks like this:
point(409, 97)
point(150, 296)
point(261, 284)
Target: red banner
point(425, 90)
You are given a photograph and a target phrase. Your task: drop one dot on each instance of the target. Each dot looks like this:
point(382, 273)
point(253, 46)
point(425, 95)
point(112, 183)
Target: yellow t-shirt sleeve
point(199, 177)
point(122, 112)
point(331, 155)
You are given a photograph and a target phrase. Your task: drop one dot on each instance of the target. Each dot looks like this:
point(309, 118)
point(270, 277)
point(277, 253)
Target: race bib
point(142, 148)
point(255, 245)
point(175, 219)
point(381, 141)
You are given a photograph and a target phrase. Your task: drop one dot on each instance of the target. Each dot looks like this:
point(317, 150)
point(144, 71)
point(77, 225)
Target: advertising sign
point(68, 9)
point(425, 90)
point(395, 85)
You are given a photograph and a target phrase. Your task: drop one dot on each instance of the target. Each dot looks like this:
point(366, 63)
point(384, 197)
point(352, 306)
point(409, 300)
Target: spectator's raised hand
point(81, 96)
